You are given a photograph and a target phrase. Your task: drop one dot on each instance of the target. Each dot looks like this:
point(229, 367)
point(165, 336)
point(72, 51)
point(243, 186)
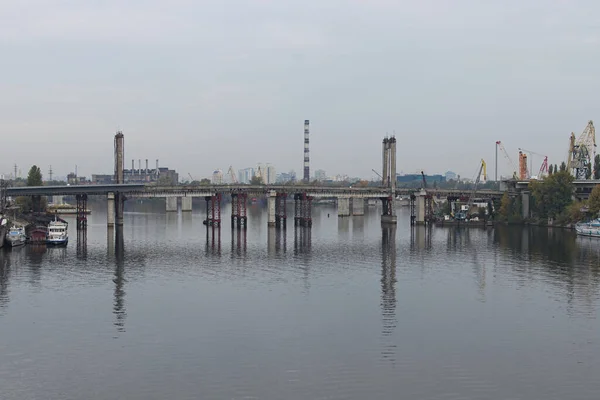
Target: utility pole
point(496, 173)
point(50, 173)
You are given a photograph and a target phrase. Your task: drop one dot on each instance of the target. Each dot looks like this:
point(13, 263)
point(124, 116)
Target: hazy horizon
point(202, 86)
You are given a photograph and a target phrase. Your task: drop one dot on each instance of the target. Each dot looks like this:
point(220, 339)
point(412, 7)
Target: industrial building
point(141, 175)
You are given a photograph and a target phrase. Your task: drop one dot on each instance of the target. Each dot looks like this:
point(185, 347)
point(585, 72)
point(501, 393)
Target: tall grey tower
point(306, 152)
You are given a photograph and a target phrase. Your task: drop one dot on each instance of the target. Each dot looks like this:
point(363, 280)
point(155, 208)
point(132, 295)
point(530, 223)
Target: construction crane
point(378, 174)
point(424, 180)
point(231, 174)
point(510, 161)
point(543, 168)
point(523, 171)
point(191, 178)
point(462, 215)
point(582, 152)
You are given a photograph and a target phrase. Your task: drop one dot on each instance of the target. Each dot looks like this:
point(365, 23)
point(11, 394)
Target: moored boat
point(16, 236)
point(591, 228)
point(3, 226)
point(57, 233)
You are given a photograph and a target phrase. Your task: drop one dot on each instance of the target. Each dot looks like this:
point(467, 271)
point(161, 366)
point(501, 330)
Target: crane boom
point(462, 215)
point(505, 153)
point(378, 174)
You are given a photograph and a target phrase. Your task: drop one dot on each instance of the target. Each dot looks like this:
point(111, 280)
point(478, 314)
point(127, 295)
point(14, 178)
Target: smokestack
point(393, 163)
point(146, 166)
point(119, 156)
point(132, 167)
point(306, 152)
point(139, 166)
point(156, 167)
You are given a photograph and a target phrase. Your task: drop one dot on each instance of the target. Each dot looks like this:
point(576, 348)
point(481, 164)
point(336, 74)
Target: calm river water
point(347, 310)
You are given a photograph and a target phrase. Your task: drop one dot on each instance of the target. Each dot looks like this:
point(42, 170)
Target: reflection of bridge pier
point(119, 294)
point(82, 243)
point(213, 239)
point(238, 241)
point(388, 286)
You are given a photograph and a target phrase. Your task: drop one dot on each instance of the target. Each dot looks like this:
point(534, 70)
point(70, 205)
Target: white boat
point(16, 236)
point(591, 228)
point(57, 233)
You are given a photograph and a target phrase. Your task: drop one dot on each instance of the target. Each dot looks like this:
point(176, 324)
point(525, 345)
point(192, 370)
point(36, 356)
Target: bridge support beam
point(110, 209)
point(420, 208)
point(388, 216)
point(271, 205)
point(238, 210)
point(186, 204)
point(280, 210)
point(302, 209)
point(525, 204)
point(343, 206)
point(213, 210)
point(81, 211)
point(119, 207)
point(358, 206)
point(171, 204)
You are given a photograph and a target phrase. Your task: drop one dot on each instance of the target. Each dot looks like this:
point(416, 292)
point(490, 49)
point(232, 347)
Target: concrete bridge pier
point(171, 204)
point(525, 204)
point(358, 206)
point(420, 208)
point(186, 204)
point(388, 216)
point(271, 204)
point(110, 217)
point(343, 206)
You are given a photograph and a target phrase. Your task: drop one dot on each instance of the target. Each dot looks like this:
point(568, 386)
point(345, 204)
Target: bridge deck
point(139, 190)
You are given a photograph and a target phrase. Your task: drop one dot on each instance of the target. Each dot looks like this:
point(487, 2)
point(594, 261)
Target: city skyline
point(448, 85)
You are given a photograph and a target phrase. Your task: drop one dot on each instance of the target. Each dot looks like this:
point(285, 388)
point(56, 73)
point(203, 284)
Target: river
point(345, 310)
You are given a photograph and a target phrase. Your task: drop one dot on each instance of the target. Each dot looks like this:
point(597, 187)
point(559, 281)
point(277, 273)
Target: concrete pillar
point(119, 208)
point(271, 201)
point(171, 204)
point(384, 169)
point(343, 205)
point(110, 218)
point(525, 204)
point(420, 208)
point(358, 206)
point(186, 204)
point(393, 166)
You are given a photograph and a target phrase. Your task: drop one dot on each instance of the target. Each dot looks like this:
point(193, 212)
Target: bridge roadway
point(151, 191)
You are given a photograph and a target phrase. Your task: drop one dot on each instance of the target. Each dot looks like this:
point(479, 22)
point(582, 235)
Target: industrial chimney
point(306, 152)
point(146, 166)
point(156, 172)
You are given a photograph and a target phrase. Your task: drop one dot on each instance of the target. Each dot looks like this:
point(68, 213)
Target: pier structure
point(239, 215)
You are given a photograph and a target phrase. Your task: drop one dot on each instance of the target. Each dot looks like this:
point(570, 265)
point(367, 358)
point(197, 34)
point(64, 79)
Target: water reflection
point(388, 289)
point(238, 241)
point(119, 280)
point(420, 237)
point(213, 240)
point(302, 240)
point(4, 278)
point(82, 243)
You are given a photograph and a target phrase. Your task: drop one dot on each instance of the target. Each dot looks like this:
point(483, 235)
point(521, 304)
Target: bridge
point(350, 200)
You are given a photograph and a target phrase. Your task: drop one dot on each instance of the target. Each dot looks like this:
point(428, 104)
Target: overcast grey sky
point(207, 84)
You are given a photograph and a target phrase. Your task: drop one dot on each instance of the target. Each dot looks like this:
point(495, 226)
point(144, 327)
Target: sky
point(202, 85)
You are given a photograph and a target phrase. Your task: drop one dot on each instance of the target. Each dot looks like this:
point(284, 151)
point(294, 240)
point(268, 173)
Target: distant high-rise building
point(245, 175)
point(217, 177)
point(450, 176)
point(320, 175)
point(270, 175)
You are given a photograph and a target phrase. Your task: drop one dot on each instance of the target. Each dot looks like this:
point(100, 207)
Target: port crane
point(543, 168)
point(462, 215)
point(582, 151)
point(510, 161)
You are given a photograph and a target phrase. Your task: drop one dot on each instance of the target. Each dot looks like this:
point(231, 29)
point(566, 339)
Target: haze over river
point(346, 310)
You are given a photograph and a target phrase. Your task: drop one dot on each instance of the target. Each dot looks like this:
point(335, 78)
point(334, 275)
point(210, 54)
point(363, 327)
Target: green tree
point(552, 195)
point(588, 173)
point(205, 181)
point(550, 169)
point(256, 180)
point(594, 201)
point(505, 207)
point(34, 178)
point(574, 211)
point(563, 166)
point(597, 166)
